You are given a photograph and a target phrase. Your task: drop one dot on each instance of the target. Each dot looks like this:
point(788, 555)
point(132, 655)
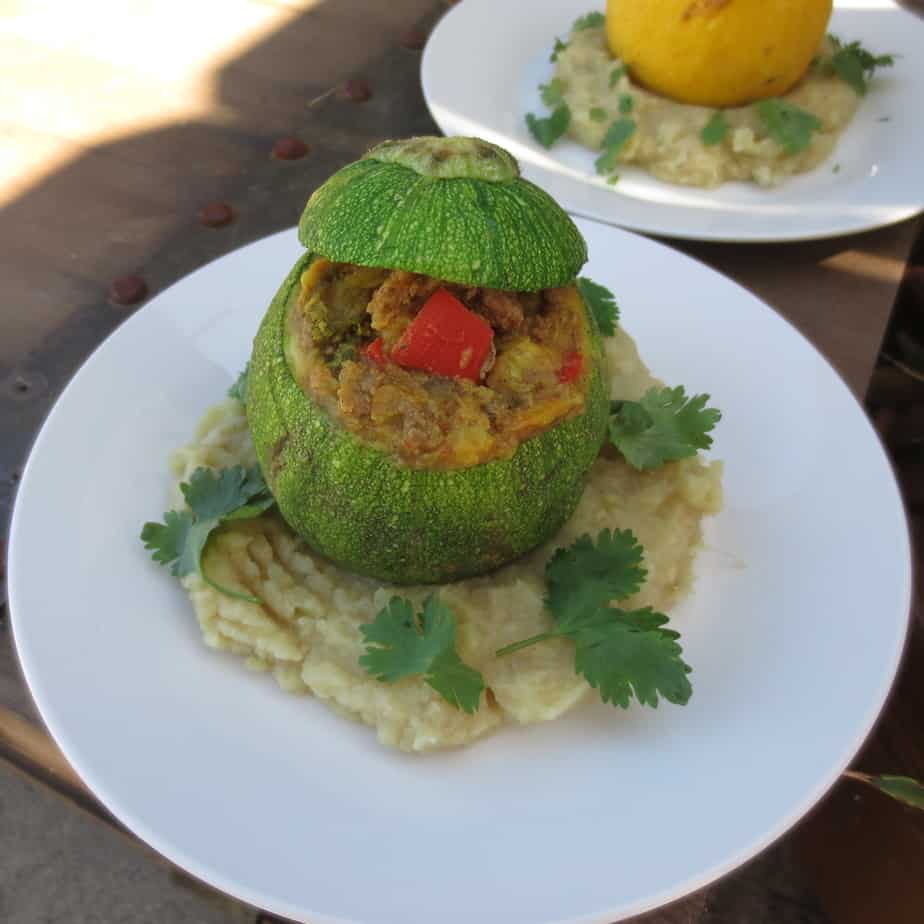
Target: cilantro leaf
point(558, 48)
point(626, 103)
point(178, 542)
point(663, 426)
point(213, 495)
point(170, 542)
point(621, 653)
point(214, 498)
point(616, 75)
point(589, 21)
point(400, 647)
point(547, 131)
point(587, 575)
point(400, 644)
point(903, 788)
point(460, 685)
point(628, 652)
point(854, 64)
point(598, 114)
point(602, 304)
point(617, 135)
point(239, 388)
point(551, 92)
point(788, 125)
point(715, 129)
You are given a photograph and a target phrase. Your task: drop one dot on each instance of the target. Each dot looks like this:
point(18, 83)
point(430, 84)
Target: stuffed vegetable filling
point(441, 375)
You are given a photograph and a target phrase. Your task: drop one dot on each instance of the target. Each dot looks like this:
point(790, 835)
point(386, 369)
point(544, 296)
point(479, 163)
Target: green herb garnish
point(548, 130)
point(715, 129)
point(903, 788)
point(661, 427)
point(239, 388)
point(214, 498)
point(616, 137)
point(788, 125)
point(557, 49)
point(626, 103)
point(401, 644)
point(598, 115)
point(854, 64)
point(602, 304)
point(551, 92)
point(616, 75)
point(589, 21)
point(618, 652)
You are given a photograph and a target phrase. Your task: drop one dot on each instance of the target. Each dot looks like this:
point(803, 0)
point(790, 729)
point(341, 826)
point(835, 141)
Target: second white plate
point(880, 175)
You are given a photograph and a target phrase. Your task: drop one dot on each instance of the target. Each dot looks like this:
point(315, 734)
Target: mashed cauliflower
point(667, 139)
point(306, 632)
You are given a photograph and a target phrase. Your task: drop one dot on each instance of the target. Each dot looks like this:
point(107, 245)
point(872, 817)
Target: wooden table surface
point(116, 128)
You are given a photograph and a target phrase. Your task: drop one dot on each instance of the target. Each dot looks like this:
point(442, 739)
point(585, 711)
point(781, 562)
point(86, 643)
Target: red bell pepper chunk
point(445, 339)
point(376, 352)
point(570, 368)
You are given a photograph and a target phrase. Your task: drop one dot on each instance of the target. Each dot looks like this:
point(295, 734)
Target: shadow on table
point(130, 205)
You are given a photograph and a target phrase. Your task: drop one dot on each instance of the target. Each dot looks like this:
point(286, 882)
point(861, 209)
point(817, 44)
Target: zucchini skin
point(367, 512)
point(504, 235)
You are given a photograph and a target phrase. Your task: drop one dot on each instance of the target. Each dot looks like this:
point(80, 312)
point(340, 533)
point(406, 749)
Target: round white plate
point(794, 632)
point(481, 70)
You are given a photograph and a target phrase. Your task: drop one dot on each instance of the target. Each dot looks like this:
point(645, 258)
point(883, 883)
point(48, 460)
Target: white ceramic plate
point(482, 67)
point(794, 631)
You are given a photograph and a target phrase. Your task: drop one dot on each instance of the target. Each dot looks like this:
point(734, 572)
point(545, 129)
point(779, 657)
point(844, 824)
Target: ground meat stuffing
point(435, 421)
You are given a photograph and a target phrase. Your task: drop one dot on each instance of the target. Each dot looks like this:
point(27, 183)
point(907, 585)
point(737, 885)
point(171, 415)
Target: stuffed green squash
point(428, 391)
point(425, 404)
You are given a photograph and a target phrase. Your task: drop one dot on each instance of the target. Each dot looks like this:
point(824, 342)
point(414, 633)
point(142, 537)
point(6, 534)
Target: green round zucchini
point(369, 513)
point(451, 208)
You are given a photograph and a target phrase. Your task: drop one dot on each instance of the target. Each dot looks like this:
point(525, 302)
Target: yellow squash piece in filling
point(717, 52)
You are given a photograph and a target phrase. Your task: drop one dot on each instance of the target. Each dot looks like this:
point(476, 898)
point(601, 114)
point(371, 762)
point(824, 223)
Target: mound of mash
point(306, 632)
point(667, 140)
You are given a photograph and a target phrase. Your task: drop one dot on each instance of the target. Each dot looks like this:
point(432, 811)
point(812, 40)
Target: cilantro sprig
point(602, 304)
point(856, 65)
point(715, 130)
point(613, 142)
point(551, 92)
point(663, 426)
point(239, 388)
point(400, 643)
point(214, 498)
point(548, 130)
point(788, 125)
point(589, 21)
point(620, 653)
point(902, 788)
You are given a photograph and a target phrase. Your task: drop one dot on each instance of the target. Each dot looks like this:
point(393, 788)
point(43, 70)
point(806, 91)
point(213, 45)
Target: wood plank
point(24, 743)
